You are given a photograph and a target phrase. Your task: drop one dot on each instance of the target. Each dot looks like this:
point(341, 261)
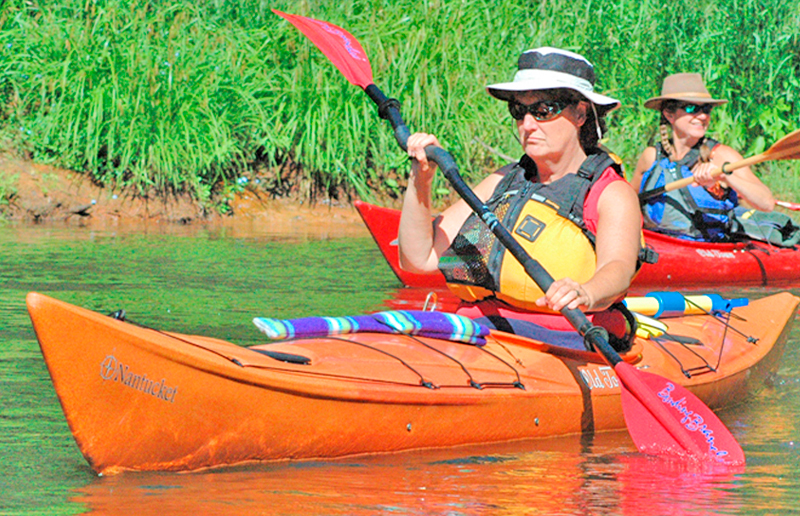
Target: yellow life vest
point(555, 242)
point(547, 221)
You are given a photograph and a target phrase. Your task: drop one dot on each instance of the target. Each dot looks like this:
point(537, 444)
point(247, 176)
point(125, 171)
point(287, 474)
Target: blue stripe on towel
point(401, 320)
point(460, 326)
point(275, 328)
point(341, 325)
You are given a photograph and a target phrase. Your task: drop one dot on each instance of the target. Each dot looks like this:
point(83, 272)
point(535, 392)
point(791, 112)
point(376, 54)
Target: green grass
point(190, 96)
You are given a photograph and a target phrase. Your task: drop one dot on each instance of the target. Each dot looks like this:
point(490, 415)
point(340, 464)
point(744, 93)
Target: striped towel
point(437, 325)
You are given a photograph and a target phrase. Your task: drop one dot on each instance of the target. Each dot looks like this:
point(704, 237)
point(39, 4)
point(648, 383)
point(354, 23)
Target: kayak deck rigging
point(690, 344)
point(424, 381)
point(298, 359)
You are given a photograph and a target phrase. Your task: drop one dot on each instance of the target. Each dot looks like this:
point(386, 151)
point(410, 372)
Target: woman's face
point(550, 138)
point(688, 125)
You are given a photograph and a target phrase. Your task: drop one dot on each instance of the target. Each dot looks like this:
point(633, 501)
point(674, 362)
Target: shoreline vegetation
point(209, 100)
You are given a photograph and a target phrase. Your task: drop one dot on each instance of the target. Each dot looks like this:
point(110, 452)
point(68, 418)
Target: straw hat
point(687, 87)
point(548, 68)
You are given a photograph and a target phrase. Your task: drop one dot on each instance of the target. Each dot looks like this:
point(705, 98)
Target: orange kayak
point(138, 398)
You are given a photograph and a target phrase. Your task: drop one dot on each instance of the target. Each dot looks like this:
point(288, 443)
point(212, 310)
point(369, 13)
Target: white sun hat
point(548, 68)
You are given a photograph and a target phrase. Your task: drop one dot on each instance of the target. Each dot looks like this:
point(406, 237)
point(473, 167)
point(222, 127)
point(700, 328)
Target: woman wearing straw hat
point(704, 210)
point(559, 119)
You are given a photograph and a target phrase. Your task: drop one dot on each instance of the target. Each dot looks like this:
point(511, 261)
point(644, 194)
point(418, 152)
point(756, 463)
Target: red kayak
point(682, 264)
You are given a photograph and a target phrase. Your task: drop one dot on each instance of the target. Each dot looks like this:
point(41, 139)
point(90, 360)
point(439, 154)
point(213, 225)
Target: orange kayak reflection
point(565, 476)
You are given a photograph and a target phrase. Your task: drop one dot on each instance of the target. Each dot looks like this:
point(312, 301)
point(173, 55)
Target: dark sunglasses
point(541, 111)
point(696, 109)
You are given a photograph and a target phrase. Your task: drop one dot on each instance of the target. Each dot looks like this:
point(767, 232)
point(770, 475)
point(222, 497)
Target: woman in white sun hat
point(565, 201)
point(705, 210)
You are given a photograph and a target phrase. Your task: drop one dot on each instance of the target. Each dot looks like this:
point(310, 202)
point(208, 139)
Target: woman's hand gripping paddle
point(787, 147)
point(662, 417)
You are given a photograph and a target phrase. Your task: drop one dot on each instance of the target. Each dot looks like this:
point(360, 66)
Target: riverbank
point(192, 95)
point(53, 196)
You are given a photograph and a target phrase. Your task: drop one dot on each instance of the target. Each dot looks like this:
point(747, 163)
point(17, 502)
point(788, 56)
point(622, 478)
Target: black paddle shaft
point(389, 109)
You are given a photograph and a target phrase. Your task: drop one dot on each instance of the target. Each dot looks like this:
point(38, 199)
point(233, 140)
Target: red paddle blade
point(665, 418)
point(338, 45)
point(788, 205)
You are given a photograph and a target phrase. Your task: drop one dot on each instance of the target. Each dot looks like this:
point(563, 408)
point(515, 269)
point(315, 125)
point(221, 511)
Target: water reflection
point(562, 476)
point(657, 485)
point(508, 479)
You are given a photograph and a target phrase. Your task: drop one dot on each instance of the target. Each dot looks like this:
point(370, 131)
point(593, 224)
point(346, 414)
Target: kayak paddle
point(662, 417)
point(787, 147)
point(788, 205)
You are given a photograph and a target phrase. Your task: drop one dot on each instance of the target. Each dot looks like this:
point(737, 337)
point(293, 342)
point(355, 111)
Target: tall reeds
point(188, 96)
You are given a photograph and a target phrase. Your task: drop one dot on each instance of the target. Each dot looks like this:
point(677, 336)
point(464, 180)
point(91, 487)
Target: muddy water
point(213, 281)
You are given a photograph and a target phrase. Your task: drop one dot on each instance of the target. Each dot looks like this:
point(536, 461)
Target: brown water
point(212, 282)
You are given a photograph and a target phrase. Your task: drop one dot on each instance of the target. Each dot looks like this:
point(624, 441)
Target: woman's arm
point(646, 160)
point(421, 240)
point(417, 232)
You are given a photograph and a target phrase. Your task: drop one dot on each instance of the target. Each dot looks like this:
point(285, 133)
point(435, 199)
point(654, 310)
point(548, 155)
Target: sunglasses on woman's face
point(542, 111)
point(696, 109)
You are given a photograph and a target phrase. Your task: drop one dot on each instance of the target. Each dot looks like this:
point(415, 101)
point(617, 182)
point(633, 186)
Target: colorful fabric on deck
point(411, 322)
